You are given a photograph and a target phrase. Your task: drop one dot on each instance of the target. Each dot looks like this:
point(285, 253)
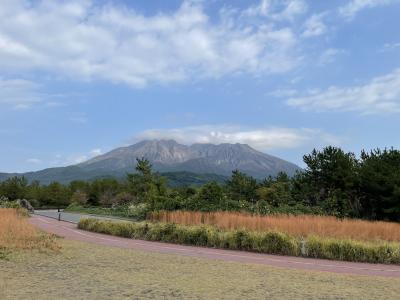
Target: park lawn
point(88, 271)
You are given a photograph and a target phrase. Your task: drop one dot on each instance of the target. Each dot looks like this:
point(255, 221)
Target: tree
point(14, 188)
point(275, 191)
point(79, 197)
point(56, 194)
point(124, 198)
point(210, 197)
point(380, 184)
point(100, 189)
point(330, 180)
point(146, 185)
point(35, 193)
point(242, 187)
point(79, 185)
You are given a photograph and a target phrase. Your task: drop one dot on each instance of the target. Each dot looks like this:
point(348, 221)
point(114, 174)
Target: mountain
point(167, 156)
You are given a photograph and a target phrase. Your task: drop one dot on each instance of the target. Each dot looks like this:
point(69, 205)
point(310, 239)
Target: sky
point(79, 78)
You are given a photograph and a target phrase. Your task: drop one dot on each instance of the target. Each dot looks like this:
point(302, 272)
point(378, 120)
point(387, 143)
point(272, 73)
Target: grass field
point(16, 233)
point(305, 225)
point(86, 271)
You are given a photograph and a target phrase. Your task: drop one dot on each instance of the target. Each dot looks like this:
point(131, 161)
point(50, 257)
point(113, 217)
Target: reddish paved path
point(70, 231)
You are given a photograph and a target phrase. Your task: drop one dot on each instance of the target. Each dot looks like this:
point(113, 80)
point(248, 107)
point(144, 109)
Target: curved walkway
point(69, 231)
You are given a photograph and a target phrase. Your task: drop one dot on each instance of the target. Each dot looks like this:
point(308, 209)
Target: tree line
point(334, 182)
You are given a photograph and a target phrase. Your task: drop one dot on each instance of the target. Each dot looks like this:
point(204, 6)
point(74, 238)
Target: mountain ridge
point(168, 156)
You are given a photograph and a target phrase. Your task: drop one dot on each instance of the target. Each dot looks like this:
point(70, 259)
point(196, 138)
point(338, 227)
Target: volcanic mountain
point(167, 156)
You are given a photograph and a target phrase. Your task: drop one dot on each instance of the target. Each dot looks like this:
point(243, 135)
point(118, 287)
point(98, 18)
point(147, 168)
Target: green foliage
point(10, 204)
point(349, 250)
point(57, 195)
point(331, 176)
point(267, 242)
point(380, 184)
point(103, 191)
point(264, 242)
point(333, 183)
point(242, 187)
point(136, 212)
point(14, 188)
point(276, 192)
point(146, 185)
point(79, 197)
point(189, 179)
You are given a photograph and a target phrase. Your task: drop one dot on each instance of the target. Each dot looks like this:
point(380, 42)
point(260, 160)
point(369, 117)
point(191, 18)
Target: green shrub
point(137, 212)
point(10, 204)
point(271, 242)
point(268, 242)
point(350, 250)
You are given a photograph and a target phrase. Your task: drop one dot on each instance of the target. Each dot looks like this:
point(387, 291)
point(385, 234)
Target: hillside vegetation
point(333, 183)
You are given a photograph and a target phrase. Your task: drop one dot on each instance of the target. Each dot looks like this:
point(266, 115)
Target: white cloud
point(72, 159)
point(34, 161)
point(82, 41)
point(353, 7)
point(18, 93)
point(78, 117)
point(77, 159)
point(96, 152)
point(314, 26)
point(263, 139)
point(282, 93)
point(279, 10)
point(329, 55)
point(380, 95)
point(390, 47)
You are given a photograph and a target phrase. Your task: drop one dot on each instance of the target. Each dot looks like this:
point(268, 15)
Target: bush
point(10, 204)
point(138, 211)
point(268, 242)
point(271, 242)
point(350, 250)
point(79, 198)
point(124, 198)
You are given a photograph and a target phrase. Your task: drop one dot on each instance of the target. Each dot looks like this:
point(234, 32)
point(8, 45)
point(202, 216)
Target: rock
point(25, 204)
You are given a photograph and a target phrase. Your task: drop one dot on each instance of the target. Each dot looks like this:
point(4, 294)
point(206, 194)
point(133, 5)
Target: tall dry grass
point(17, 233)
point(305, 225)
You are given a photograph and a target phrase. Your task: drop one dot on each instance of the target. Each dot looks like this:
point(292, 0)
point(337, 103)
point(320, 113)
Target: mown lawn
point(86, 271)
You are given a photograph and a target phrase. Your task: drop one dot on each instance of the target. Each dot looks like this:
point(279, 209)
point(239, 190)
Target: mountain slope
point(169, 156)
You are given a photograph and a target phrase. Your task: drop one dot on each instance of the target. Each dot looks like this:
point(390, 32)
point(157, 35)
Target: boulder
point(25, 204)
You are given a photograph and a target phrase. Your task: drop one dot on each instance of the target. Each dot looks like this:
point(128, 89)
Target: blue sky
point(79, 78)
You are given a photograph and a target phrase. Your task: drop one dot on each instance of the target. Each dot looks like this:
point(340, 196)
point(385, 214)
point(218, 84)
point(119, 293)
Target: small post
point(303, 247)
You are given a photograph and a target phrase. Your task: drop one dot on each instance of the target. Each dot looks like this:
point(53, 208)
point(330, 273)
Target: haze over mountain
point(169, 156)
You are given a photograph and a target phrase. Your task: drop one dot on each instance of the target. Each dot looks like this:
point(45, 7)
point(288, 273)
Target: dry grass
point(297, 225)
point(88, 271)
point(16, 233)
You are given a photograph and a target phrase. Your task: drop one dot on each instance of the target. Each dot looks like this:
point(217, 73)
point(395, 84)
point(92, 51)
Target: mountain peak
point(168, 155)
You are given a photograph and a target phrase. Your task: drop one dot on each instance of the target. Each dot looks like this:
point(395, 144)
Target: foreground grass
point(16, 234)
point(303, 225)
point(86, 271)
